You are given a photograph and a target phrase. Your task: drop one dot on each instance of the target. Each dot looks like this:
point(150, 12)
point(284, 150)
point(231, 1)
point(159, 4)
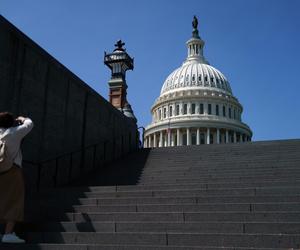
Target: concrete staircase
point(234, 196)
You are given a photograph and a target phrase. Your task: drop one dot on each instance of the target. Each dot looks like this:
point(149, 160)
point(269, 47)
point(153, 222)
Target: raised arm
point(25, 127)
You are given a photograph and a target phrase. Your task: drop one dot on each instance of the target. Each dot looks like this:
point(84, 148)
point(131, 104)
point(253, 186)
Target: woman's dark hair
point(6, 120)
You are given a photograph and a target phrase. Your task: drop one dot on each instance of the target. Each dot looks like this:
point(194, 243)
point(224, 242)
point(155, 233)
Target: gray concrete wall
point(67, 113)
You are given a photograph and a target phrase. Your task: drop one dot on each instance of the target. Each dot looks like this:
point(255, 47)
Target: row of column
point(163, 112)
point(167, 138)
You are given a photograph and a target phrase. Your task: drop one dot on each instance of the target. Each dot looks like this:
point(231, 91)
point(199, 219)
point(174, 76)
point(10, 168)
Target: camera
point(18, 122)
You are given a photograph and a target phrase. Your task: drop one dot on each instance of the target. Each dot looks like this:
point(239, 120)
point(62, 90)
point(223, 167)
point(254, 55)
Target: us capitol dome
point(196, 105)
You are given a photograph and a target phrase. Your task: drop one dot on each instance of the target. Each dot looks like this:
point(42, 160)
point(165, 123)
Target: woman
point(12, 131)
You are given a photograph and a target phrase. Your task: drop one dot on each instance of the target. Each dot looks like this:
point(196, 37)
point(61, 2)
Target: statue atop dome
point(195, 28)
point(195, 23)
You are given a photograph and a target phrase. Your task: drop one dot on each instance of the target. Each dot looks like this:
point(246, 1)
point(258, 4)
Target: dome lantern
point(195, 45)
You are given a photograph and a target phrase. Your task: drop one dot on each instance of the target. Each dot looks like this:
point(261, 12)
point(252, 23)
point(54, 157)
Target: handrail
point(82, 151)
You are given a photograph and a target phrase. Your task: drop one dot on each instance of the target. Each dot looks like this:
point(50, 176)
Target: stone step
point(67, 201)
point(213, 177)
point(58, 210)
point(163, 180)
point(170, 239)
point(208, 185)
point(192, 180)
point(267, 155)
point(228, 162)
point(118, 247)
point(176, 193)
point(206, 171)
point(288, 206)
point(183, 227)
point(172, 153)
point(286, 216)
point(218, 156)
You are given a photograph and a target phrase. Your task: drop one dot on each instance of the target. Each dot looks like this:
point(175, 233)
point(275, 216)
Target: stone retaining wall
point(69, 115)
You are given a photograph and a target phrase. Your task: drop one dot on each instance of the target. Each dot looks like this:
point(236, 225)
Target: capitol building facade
point(196, 105)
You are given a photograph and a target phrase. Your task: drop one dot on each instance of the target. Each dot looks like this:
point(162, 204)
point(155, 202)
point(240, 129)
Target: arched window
point(177, 109)
point(209, 109)
point(185, 109)
point(193, 108)
point(201, 109)
point(205, 81)
point(222, 84)
point(217, 109)
point(218, 83)
point(187, 78)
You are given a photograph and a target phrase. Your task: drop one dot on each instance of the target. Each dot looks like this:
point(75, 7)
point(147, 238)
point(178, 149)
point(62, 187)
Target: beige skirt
point(12, 193)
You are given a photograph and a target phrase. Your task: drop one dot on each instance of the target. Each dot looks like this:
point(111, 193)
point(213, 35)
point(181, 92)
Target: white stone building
point(196, 105)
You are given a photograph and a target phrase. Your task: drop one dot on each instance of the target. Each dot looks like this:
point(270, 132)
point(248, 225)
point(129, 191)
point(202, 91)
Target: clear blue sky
point(254, 43)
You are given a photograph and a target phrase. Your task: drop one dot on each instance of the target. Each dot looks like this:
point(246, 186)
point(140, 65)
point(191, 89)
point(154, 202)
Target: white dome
point(196, 105)
point(195, 75)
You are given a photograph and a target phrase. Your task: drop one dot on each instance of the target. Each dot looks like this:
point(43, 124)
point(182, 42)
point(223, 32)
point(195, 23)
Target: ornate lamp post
point(119, 62)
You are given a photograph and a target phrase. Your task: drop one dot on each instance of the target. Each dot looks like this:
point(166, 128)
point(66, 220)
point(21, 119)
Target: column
point(234, 137)
point(160, 139)
point(205, 108)
point(188, 139)
point(178, 137)
point(174, 109)
point(218, 136)
point(227, 136)
point(167, 111)
point(208, 136)
point(198, 137)
point(172, 139)
point(169, 137)
point(165, 139)
point(189, 108)
point(145, 142)
point(150, 141)
point(154, 140)
point(181, 108)
point(241, 137)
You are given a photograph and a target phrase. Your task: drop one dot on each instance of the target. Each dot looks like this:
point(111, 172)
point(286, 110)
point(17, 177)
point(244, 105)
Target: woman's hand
point(21, 119)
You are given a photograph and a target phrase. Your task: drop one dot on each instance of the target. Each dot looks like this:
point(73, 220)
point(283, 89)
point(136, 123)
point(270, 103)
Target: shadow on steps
point(124, 171)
